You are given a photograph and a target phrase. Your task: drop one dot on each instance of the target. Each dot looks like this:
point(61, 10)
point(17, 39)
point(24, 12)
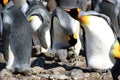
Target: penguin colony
point(59, 30)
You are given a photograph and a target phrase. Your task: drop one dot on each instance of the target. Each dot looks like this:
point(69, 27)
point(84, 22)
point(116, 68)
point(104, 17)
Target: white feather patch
point(10, 59)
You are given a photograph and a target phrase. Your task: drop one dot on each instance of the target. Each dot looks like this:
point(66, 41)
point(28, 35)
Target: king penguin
point(16, 39)
point(65, 30)
point(102, 47)
point(40, 20)
point(111, 8)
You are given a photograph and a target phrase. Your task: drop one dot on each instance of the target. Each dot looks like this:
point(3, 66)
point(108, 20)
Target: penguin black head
point(73, 12)
point(4, 2)
point(72, 39)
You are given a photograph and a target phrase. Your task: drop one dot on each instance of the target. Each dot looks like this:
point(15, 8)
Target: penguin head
point(72, 39)
point(74, 12)
point(4, 2)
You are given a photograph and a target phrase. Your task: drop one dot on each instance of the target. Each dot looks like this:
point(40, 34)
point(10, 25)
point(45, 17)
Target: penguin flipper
point(58, 35)
point(41, 36)
point(5, 40)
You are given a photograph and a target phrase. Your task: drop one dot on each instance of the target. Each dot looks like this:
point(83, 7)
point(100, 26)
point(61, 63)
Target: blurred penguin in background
point(51, 5)
point(111, 8)
point(65, 30)
point(94, 4)
point(83, 4)
point(3, 4)
point(16, 39)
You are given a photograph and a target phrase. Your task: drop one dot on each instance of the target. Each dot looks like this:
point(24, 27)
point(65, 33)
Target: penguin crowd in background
point(26, 23)
point(111, 8)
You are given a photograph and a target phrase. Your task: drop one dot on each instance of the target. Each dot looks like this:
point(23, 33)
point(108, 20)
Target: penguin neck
point(25, 8)
point(22, 4)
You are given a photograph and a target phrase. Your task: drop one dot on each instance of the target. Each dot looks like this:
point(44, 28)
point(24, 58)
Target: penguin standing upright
point(111, 8)
point(65, 29)
point(16, 39)
point(102, 46)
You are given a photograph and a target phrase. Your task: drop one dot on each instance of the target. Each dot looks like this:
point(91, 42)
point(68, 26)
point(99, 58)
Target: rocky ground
point(46, 67)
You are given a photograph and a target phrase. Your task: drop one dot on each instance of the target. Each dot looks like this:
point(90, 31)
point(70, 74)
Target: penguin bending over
point(65, 31)
point(40, 20)
point(102, 46)
point(16, 39)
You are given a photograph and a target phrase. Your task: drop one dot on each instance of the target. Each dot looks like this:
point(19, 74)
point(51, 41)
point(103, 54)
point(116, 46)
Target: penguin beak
point(67, 10)
point(5, 2)
point(72, 39)
point(116, 50)
point(74, 36)
point(31, 18)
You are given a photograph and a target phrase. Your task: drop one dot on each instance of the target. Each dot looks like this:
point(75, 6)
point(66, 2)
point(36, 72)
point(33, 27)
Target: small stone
point(61, 54)
point(58, 70)
point(106, 76)
point(59, 77)
point(44, 75)
point(76, 74)
point(36, 70)
point(5, 72)
point(8, 78)
point(91, 76)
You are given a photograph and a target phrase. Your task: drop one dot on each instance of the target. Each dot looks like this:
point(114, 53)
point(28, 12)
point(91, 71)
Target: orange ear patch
point(78, 10)
point(85, 20)
point(5, 2)
point(116, 50)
